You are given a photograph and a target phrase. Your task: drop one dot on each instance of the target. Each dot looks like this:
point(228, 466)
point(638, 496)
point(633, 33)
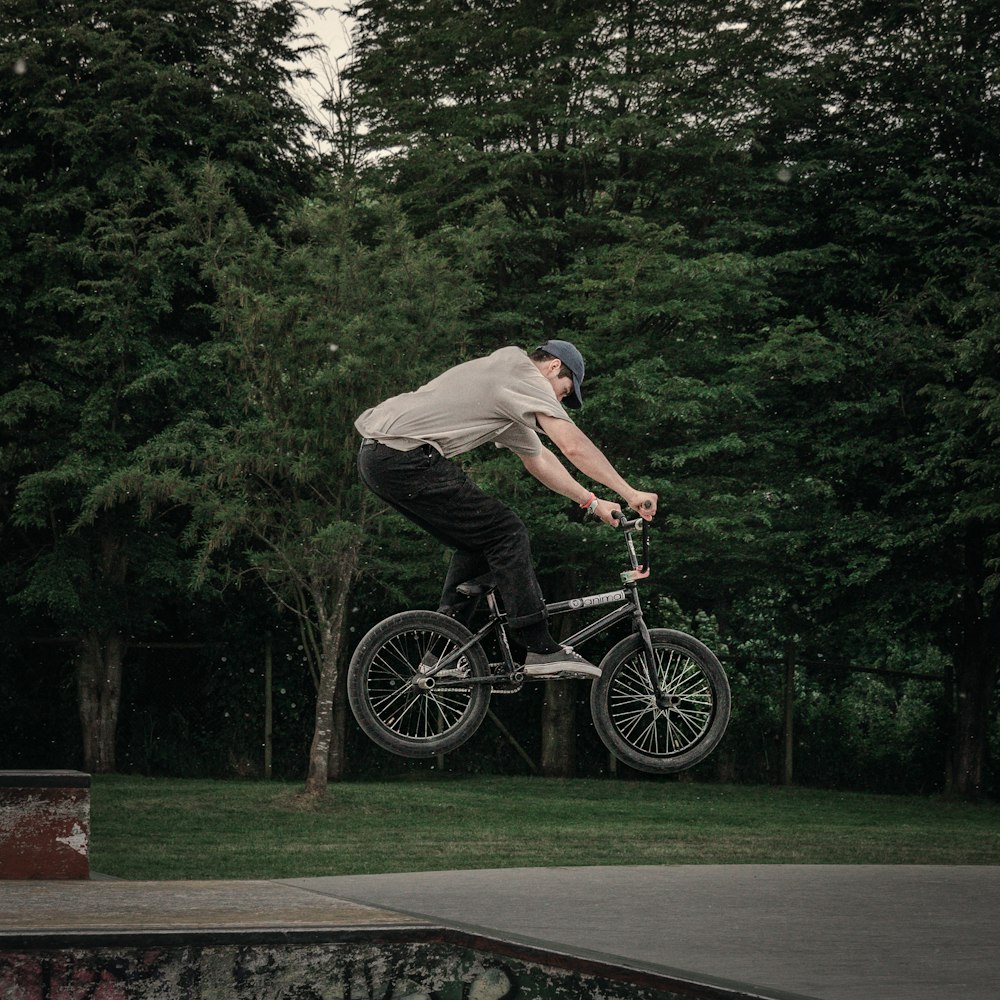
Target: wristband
point(591, 499)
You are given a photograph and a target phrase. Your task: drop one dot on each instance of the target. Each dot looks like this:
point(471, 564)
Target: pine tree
point(898, 180)
point(106, 111)
point(772, 226)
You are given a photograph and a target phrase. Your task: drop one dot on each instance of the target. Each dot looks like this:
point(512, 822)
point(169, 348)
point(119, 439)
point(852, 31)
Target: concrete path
point(830, 932)
point(825, 932)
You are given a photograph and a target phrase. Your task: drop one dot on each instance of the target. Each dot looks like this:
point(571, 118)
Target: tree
point(902, 177)
point(618, 140)
point(312, 324)
point(104, 121)
point(560, 111)
point(775, 225)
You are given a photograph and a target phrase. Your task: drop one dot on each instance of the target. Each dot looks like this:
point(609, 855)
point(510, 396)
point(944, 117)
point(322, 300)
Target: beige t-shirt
point(488, 399)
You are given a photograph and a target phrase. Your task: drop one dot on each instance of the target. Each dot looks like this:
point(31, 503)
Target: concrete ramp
point(825, 932)
point(253, 940)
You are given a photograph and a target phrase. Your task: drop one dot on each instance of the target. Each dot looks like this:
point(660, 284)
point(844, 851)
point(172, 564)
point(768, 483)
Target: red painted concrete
point(44, 825)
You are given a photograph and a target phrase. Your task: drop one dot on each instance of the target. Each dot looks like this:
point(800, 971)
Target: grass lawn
point(151, 828)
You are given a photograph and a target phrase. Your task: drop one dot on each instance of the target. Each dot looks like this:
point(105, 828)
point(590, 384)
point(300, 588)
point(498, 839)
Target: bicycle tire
point(661, 739)
point(395, 714)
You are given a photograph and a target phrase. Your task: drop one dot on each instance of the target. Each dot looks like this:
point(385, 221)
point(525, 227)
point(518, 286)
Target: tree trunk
point(974, 684)
point(975, 681)
point(559, 730)
point(975, 673)
point(331, 616)
point(99, 688)
point(337, 763)
point(318, 775)
point(559, 710)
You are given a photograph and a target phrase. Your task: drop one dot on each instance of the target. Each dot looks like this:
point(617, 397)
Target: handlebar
point(627, 525)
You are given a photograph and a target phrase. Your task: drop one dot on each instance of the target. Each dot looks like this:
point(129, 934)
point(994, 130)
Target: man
point(507, 398)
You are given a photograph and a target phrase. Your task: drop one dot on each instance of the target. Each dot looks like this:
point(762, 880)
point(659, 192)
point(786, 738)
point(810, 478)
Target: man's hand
point(644, 504)
point(607, 510)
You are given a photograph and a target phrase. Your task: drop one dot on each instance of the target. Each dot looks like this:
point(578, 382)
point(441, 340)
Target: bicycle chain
point(516, 687)
point(511, 690)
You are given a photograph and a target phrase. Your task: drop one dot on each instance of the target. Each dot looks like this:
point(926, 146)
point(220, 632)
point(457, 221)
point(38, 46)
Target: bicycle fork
point(662, 700)
point(631, 578)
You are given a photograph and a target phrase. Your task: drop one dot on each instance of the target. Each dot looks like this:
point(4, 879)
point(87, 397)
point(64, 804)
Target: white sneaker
point(562, 663)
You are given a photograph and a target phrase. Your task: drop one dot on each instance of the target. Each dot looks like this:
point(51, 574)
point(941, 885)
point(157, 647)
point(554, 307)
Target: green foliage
point(771, 229)
point(310, 320)
point(870, 729)
point(316, 321)
point(106, 112)
point(106, 115)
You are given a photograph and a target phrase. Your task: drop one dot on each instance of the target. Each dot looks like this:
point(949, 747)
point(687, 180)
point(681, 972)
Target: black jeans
point(486, 534)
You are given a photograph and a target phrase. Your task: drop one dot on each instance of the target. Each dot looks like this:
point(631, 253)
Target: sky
point(331, 29)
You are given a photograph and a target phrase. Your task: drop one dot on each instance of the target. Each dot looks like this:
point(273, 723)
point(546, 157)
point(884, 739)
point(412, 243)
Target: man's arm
point(590, 460)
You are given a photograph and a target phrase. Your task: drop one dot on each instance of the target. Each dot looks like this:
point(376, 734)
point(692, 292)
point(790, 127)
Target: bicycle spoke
point(653, 727)
point(398, 703)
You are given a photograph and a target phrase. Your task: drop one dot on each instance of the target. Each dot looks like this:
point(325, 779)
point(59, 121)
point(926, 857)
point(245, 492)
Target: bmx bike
point(419, 683)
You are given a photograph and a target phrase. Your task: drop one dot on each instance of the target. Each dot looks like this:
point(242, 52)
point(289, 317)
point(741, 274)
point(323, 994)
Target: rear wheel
point(401, 708)
point(669, 728)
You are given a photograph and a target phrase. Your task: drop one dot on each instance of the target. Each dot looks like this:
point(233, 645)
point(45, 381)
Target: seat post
point(491, 603)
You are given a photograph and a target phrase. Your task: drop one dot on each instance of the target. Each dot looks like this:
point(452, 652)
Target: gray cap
point(573, 360)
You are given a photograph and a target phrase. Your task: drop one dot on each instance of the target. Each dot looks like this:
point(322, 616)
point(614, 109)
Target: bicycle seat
point(478, 587)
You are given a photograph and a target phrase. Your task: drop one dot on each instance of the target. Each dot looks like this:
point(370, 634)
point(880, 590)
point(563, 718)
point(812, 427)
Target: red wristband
point(590, 499)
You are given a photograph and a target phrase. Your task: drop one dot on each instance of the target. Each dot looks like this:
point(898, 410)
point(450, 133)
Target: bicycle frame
point(628, 597)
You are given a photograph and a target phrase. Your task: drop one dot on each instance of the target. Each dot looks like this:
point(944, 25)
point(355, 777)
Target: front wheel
point(389, 693)
point(669, 728)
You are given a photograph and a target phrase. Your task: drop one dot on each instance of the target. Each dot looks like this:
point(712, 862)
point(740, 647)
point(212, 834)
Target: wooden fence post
point(789, 714)
point(268, 707)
